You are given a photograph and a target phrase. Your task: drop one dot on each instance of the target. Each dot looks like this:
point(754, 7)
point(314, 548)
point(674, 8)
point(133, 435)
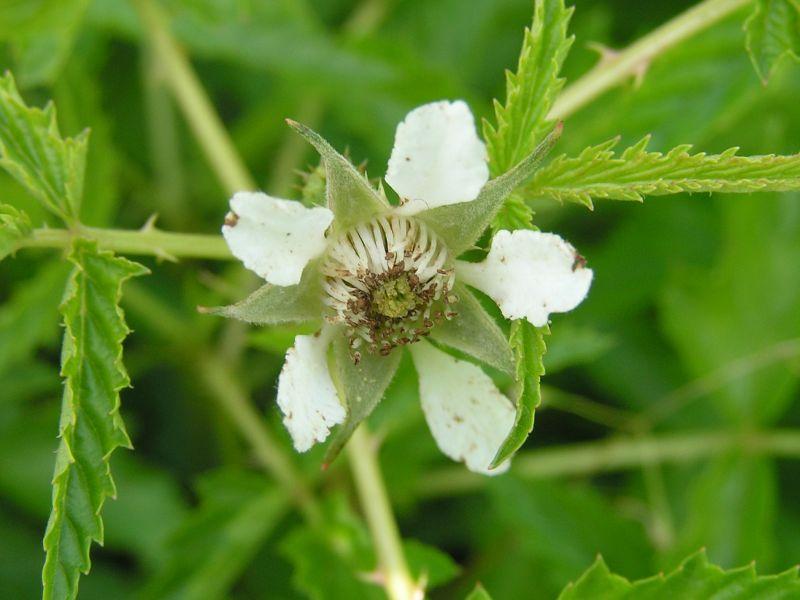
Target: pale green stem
point(146, 241)
point(195, 104)
point(619, 454)
point(637, 57)
point(395, 575)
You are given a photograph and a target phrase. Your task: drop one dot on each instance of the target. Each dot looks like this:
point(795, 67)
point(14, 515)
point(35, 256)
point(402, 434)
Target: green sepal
point(528, 345)
point(350, 195)
point(479, 593)
point(14, 225)
point(34, 153)
point(271, 304)
point(474, 332)
point(360, 386)
point(460, 225)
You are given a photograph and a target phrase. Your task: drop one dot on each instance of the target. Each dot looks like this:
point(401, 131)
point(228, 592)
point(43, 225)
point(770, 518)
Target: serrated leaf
point(209, 550)
point(14, 225)
point(474, 332)
point(272, 304)
point(90, 426)
point(350, 195)
point(521, 122)
point(598, 172)
point(528, 345)
point(460, 225)
point(695, 579)
point(361, 386)
point(33, 152)
point(772, 34)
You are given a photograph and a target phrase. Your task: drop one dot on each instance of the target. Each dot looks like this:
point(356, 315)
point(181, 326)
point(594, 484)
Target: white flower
point(380, 277)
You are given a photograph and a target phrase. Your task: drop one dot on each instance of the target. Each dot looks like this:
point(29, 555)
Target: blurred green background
point(692, 325)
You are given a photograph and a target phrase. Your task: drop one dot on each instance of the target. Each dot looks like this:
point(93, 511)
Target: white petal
point(437, 158)
point(467, 415)
point(530, 274)
point(273, 237)
point(306, 394)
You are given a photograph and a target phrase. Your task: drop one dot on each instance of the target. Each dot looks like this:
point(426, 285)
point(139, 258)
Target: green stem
point(618, 454)
point(195, 104)
point(375, 503)
point(146, 241)
point(637, 57)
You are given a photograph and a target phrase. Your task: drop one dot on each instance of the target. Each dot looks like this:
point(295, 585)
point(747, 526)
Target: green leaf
point(272, 304)
point(14, 225)
point(598, 173)
point(209, 551)
point(460, 225)
point(479, 593)
point(350, 195)
point(331, 561)
point(91, 426)
point(521, 123)
point(33, 151)
point(773, 34)
point(429, 564)
point(695, 579)
point(528, 345)
point(360, 385)
point(474, 332)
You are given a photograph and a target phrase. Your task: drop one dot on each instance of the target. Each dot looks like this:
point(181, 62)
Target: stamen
point(389, 281)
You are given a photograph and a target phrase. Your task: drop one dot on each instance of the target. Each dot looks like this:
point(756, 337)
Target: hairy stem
point(375, 504)
point(618, 454)
point(638, 55)
point(194, 102)
point(146, 241)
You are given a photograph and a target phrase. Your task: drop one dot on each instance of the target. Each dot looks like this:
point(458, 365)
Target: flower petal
point(467, 415)
point(437, 158)
point(306, 394)
point(530, 274)
point(275, 238)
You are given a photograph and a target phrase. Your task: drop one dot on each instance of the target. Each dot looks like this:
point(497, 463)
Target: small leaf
point(598, 173)
point(361, 387)
point(460, 225)
point(521, 122)
point(772, 34)
point(695, 579)
point(272, 304)
point(474, 332)
point(350, 195)
point(428, 564)
point(479, 593)
point(14, 225)
point(33, 152)
point(528, 344)
point(91, 427)
point(209, 551)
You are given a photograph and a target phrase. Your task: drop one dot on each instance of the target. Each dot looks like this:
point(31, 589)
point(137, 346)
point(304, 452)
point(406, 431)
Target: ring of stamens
point(389, 281)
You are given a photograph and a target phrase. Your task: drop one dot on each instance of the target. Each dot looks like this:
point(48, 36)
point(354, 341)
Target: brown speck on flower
point(231, 219)
point(579, 262)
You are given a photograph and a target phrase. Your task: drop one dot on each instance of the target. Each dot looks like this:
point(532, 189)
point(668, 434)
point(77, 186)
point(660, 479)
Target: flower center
point(389, 281)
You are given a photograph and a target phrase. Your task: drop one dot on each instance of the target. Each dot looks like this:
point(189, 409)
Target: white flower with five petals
point(381, 277)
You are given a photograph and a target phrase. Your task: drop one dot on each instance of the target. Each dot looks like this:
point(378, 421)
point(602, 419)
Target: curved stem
point(195, 104)
point(638, 55)
point(375, 504)
point(618, 454)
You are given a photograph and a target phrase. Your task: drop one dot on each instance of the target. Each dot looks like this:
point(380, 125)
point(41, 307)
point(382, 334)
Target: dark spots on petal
point(458, 418)
point(408, 159)
point(231, 219)
point(579, 262)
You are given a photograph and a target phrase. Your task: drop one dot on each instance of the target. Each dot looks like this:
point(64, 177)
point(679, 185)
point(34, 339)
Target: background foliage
point(690, 337)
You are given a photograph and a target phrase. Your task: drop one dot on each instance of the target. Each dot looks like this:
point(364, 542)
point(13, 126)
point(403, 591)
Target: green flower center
point(395, 298)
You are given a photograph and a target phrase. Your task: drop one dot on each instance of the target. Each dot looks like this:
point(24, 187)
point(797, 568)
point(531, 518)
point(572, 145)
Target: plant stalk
point(618, 454)
point(637, 57)
point(396, 576)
